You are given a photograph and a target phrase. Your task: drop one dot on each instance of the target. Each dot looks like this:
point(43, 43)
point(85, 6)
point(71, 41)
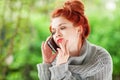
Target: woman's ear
point(79, 29)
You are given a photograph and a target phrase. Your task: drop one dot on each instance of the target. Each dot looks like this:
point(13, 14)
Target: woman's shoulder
point(100, 53)
point(98, 49)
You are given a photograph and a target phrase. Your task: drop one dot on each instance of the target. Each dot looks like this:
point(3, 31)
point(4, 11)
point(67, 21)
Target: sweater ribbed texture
point(94, 63)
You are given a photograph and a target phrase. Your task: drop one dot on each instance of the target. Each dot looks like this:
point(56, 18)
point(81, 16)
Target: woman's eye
point(63, 27)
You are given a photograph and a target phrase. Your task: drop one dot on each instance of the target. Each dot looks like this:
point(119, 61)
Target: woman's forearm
point(43, 71)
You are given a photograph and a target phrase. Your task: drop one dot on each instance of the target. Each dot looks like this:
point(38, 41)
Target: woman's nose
point(58, 34)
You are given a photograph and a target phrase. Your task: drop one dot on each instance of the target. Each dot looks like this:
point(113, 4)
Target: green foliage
point(24, 24)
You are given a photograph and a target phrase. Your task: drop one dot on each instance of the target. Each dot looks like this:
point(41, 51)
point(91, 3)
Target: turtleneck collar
point(84, 52)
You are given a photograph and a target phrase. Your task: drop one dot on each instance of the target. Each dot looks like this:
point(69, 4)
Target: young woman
point(76, 58)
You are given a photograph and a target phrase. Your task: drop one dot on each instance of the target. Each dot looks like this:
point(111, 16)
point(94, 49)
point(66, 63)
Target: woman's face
point(64, 29)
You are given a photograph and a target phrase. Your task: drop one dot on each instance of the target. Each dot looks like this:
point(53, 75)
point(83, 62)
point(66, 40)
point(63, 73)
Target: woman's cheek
point(69, 43)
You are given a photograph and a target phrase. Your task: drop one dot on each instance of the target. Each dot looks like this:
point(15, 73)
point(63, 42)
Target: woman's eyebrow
point(61, 24)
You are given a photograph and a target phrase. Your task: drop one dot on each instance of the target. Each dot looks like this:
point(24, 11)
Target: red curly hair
point(73, 10)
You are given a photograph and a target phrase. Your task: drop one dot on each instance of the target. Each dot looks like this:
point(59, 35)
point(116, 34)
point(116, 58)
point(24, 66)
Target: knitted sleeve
point(43, 71)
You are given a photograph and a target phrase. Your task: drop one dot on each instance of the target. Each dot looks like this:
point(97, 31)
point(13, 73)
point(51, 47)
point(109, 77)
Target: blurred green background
point(24, 24)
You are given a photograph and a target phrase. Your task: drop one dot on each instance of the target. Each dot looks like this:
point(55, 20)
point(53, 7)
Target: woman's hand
point(63, 53)
point(47, 55)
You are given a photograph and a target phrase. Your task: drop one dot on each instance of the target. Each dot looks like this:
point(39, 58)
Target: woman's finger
point(59, 51)
point(62, 45)
point(66, 48)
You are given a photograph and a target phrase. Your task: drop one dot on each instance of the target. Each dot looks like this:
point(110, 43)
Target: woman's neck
point(76, 52)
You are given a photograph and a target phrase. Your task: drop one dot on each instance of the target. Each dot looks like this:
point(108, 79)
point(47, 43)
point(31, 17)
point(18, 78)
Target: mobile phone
point(51, 43)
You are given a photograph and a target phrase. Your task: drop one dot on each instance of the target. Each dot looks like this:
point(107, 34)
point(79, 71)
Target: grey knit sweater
point(94, 63)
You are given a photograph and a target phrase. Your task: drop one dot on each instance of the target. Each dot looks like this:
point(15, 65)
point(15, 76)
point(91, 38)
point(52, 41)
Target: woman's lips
point(60, 40)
